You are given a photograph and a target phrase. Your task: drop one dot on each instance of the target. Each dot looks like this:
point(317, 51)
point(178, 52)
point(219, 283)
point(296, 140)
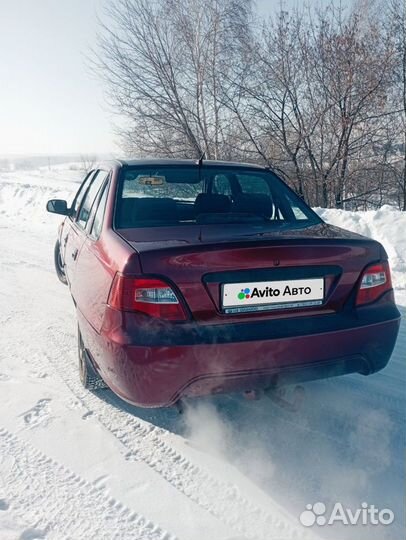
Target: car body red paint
point(153, 362)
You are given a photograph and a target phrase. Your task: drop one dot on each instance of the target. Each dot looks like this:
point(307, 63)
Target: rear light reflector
point(151, 296)
point(376, 280)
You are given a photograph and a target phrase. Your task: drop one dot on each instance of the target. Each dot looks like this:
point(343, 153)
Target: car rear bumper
point(156, 373)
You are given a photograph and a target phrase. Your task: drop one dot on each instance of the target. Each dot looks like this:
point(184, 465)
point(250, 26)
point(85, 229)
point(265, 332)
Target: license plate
point(266, 295)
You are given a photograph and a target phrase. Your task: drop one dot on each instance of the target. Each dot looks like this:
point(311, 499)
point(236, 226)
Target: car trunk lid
point(205, 262)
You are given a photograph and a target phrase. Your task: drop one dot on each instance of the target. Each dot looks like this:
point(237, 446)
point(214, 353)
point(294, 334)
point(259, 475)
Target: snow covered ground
point(79, 465)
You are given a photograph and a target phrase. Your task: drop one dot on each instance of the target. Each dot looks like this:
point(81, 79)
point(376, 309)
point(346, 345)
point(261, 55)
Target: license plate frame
point(272, 295)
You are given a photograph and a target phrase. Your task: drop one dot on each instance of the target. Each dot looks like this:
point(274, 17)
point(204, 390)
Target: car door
point(94, 273)
point(77, 233)
point(70, 239)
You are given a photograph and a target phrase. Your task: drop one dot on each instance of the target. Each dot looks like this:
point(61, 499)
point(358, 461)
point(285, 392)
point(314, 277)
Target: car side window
point(92, 191)
point(99, 215)
point(253, 184)
point(95, 204)
point(298, 212)
point(80, 194)
point(221, 185)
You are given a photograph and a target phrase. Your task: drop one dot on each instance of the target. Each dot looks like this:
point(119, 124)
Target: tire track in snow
point(38, 492)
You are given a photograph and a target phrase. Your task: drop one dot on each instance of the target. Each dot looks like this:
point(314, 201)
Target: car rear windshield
point(163, 196)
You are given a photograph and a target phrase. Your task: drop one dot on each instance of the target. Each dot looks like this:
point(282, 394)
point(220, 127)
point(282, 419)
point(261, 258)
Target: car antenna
point(200, 163)
point(201, 158)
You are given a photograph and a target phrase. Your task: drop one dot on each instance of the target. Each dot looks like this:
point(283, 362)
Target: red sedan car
point(193, 278)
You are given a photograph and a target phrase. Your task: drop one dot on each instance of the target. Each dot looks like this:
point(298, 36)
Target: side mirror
point(58, 206)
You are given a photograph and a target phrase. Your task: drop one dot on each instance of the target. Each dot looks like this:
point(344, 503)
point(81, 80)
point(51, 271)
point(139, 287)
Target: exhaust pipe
point(277, 396)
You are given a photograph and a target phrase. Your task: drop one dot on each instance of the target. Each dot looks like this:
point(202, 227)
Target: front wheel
point(59, 266)
point(89, 377)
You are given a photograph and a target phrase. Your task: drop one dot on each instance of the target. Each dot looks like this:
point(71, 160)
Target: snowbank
point(24, 194)
point(387, 225)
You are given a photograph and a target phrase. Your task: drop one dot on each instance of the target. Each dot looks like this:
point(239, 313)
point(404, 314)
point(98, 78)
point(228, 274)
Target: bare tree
point(396, 27)
point(318, 94)
point(165, 63)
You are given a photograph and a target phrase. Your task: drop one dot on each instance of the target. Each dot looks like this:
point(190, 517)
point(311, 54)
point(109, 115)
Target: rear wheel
point(89, 377)
point(59, 266)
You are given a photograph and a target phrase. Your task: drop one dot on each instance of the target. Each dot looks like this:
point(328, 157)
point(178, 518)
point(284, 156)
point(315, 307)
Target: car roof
point(182, 162)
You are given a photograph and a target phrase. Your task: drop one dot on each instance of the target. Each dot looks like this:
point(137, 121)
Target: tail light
point(376, 280)
point(151, 296)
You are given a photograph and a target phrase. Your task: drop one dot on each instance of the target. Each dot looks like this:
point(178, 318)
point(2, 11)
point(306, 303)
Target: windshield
point(157, 196)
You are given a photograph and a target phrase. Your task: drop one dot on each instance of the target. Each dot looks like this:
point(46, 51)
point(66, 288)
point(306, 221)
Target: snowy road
point(79, 465)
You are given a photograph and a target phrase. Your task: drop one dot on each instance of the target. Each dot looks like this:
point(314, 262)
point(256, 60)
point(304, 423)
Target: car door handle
point(75, 254)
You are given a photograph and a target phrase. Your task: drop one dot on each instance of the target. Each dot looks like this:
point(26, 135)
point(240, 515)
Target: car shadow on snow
point(345, 444)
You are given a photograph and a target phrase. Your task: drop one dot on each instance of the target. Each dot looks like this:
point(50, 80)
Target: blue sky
point(49, 103)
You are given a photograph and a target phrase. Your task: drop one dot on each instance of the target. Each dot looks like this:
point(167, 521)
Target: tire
point(59, 266)
point(89, 377)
